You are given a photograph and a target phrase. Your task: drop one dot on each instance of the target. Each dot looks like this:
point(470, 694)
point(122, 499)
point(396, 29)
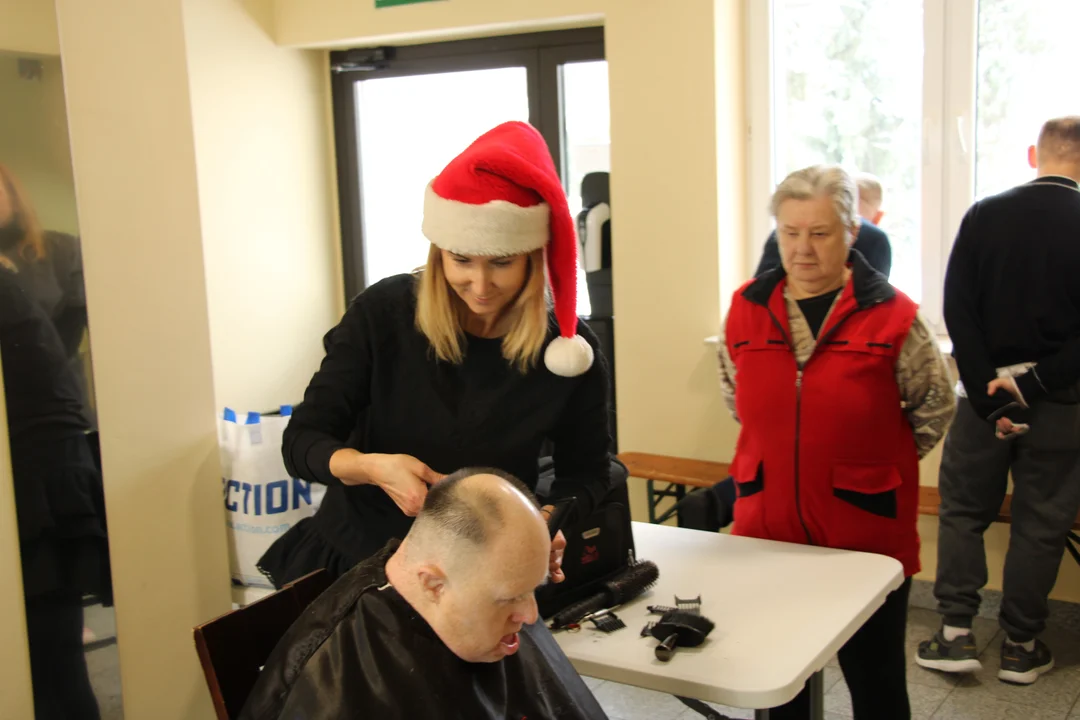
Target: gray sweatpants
point(975, 466)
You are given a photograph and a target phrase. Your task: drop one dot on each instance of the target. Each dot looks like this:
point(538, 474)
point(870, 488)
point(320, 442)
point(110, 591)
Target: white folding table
point(782, 612)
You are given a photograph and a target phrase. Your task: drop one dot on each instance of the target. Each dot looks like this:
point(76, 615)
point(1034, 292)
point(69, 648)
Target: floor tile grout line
point(942, 702)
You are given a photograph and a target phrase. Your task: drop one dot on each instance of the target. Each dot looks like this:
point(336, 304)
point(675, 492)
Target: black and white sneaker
point(1023, 667)
point(958, 656)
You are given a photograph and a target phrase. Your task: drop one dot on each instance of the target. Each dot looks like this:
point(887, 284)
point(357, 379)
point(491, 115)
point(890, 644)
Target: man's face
point(870, 211)
point(487, 598)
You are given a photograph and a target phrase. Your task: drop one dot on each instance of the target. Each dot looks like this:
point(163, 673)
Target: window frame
point(947, 178)
point(541, 54)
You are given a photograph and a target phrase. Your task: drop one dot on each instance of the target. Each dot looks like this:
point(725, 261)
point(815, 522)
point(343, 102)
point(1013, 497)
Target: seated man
point(871, 242)
point(440, 625)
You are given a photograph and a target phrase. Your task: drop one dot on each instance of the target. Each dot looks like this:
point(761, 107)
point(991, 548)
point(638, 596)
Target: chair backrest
point(234, 647)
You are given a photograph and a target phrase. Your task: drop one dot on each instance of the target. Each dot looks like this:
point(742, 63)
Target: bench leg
point(653, 500)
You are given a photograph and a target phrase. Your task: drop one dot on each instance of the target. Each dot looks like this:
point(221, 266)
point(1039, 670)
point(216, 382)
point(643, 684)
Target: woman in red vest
point(840, 389)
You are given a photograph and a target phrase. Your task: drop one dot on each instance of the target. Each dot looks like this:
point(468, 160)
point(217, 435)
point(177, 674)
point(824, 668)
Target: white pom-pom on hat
point(569, 356)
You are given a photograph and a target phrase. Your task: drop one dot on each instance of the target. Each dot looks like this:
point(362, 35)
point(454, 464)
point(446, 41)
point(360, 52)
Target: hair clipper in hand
point(560, 513)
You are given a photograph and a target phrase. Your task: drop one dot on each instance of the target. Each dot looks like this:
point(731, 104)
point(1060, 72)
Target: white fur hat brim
point(494, 229)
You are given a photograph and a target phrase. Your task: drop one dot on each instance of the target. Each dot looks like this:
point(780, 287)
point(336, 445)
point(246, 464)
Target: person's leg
point(875, 664)
point(1045, 501)
point(61, 683)
point(972, 483)
point(797, 709)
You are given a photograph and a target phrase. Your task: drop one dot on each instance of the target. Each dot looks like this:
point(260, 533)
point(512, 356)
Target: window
point(849, 92)
point(401, 151)
point(401, 114)
point(938, 98)
point(1026, 59)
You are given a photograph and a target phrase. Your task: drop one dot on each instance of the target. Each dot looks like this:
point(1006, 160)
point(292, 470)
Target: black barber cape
point(359, 652)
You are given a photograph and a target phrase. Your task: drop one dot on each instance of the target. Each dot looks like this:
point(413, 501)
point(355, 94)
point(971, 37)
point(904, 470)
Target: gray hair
point(818, 180)
point(453, 511)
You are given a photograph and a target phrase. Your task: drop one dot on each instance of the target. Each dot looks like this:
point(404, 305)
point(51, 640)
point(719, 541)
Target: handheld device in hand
point(1018, 429)
point(559, 514)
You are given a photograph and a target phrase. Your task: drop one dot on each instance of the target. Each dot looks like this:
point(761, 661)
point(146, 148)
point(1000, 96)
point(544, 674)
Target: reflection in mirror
point(44, 349)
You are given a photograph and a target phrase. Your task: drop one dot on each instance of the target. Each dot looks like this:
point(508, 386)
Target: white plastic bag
point(261, 500)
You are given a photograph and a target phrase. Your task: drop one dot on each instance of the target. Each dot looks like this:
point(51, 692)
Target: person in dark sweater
point(442, 625)
point(1012, 307)
point(50, 270)
point(441, 369)
point(58, 500)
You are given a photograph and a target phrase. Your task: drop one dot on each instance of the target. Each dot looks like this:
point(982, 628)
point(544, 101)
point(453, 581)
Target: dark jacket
point(826, 455)
point(1012, 292)
point(360, 651)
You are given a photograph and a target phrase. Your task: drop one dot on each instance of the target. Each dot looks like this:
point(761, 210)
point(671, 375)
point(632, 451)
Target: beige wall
point(329, 23)
point(130, 114)
point(26, 26)
point(266, 189)
point(34, 139)
point(15, 697)
point(664, 124)
point(29, 26)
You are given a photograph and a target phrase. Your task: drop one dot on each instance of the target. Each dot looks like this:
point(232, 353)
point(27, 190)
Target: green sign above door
point(393, 3)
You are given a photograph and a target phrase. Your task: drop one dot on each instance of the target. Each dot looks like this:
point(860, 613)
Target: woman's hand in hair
point(404, 478)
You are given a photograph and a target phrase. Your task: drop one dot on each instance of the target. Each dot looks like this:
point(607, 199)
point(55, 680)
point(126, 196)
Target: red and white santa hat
point(502, 197)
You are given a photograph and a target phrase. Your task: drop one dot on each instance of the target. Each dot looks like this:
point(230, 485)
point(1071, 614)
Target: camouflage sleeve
point(727, 372)
point(925, 387)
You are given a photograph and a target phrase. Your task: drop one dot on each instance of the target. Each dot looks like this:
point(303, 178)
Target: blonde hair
point(440, 314)
point(32, 245)
point(869, 188)
point(817, 180)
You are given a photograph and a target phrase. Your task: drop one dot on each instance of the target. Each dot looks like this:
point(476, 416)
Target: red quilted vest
point(826, 455)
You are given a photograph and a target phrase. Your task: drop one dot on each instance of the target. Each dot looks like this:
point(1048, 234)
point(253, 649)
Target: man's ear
point(1033, 157)
point(877, 217)
point(432, 582)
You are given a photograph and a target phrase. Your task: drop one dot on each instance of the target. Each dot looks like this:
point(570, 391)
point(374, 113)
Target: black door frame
point(541, 54)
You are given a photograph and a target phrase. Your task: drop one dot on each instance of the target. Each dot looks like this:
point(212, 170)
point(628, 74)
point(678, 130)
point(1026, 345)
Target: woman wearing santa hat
point(461, 364)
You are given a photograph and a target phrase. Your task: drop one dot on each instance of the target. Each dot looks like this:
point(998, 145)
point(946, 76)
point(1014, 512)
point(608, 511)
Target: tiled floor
point(934, 696)
point(103, 661)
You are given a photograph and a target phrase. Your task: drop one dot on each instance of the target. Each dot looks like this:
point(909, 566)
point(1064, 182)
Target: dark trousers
point(62, 690)
point(975, 466)
point(874, 662)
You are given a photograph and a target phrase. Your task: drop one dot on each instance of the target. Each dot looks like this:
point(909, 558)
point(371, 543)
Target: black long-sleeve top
point(381, 384)
point(1012, 291)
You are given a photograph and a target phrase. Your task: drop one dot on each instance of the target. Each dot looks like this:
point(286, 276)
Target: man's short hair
point(869, 188)
point(1060, 138)
point(466, 516)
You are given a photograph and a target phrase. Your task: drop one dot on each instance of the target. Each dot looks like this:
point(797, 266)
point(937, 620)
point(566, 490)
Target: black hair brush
point(623, 588)
point(679, 629)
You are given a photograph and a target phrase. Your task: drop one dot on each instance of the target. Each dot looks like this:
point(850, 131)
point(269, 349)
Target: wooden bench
point(930, 500)
point(679, 474)
point(676, 473)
